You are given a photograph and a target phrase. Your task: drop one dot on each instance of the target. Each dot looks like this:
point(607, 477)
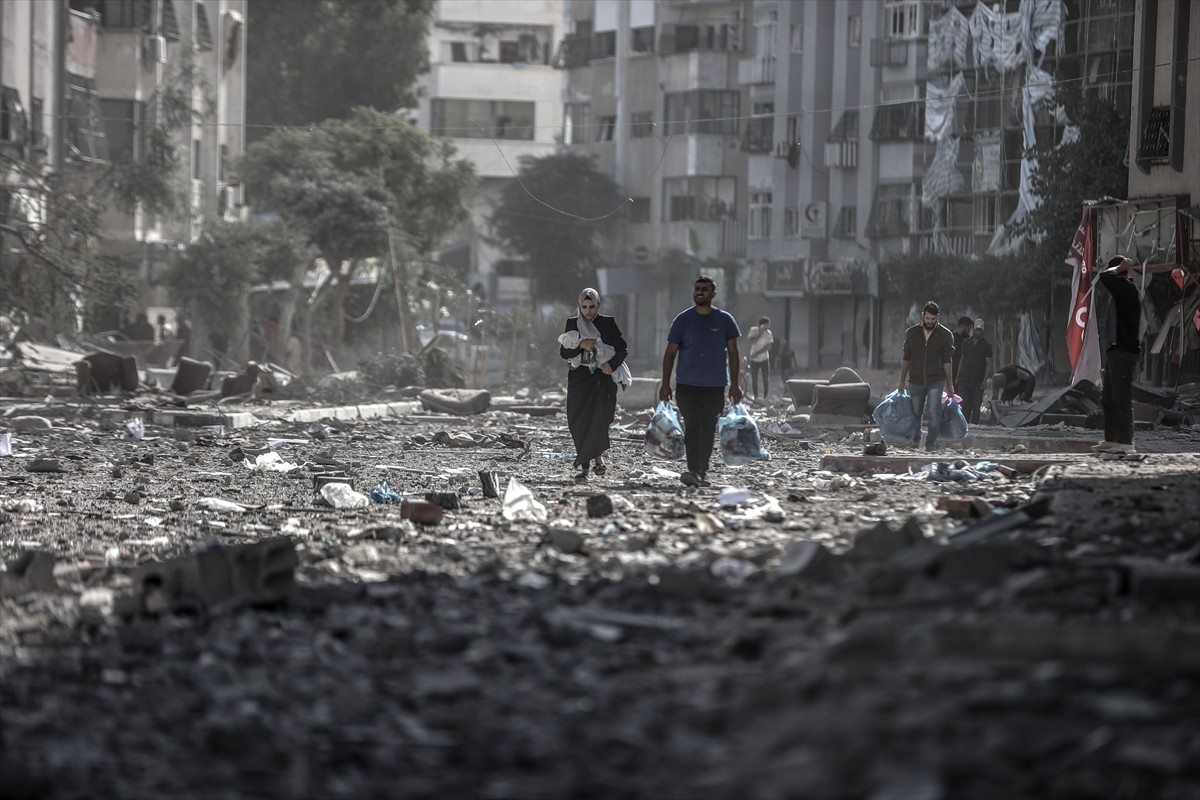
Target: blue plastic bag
point(954, 422)
point(741, 442)
point(896, 419)
point(664, 436)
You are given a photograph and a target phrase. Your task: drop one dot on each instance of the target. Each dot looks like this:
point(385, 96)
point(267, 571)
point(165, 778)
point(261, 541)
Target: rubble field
point(185, 615)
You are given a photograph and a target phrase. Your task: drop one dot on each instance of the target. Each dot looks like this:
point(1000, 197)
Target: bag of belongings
point(740, 440)
point(954, 422)
point(896, 419)
point(664, 436)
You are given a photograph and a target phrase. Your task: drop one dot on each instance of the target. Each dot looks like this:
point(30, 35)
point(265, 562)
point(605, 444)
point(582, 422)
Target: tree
point(557, 215)
point(213, 276)
point(360, 188)
point(52, 266)
point(1091, 166)
point(311, 60)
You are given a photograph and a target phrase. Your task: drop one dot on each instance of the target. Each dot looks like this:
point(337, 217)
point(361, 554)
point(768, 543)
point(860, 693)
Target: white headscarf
point(587, 329)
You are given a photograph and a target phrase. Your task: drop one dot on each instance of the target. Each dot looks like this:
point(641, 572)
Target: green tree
point(1091, 166)
point(558, 215)
point(360, 188)
point(213, 276)
point(311, 60)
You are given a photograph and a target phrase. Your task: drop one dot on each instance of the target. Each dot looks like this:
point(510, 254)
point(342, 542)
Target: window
point(481, 119)
point(643, 39)
point(700, 111)
point(85, 133)
point(124, 128)
point(791, 223)
point(604, 128)
point(796, 38)
point(847, 223)
point(891, 214)
point(903, 19)
point(196, 171)
point(37, 125)
point(639, 209)
point(682, 38)
point(984, 213)
point(764, 33)
point(760, 216)
point(510, 52)
point(854, 30)
point(204, 37)
point(1154, 147)
point(223, 170)
point(898, 122)
point(125, 14)
point(760, 130)
point(699, 198)
point(604, 44)
point(13, 125)
point(458, 51)
point(576, 118)
point(641, 124)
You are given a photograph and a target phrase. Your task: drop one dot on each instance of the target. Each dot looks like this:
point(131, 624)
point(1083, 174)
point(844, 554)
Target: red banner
point(1080, 259)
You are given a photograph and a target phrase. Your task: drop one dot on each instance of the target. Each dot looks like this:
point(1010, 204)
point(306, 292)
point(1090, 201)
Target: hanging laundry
point(941, 96)
point(948, 36)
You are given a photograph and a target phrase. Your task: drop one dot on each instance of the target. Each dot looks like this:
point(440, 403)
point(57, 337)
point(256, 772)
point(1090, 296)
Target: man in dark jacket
point(1122, 348)
point(962, 332)
point(1012, 381)
point(973, 370)
point(928, 356)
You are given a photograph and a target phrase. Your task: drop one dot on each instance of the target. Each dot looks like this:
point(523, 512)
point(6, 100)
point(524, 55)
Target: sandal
point(581, 477)
point(601, 468)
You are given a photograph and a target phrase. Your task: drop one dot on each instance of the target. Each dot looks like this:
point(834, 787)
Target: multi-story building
point(492, 89)
point(94, 73)
point(652, 92)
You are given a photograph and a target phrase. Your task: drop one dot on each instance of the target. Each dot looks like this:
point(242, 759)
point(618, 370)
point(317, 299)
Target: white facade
point(492, 90)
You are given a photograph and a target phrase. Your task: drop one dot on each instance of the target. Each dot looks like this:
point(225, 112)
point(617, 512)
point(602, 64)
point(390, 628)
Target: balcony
point(733, 237)
point(842, 154)
point(756, 71)
point(889, 52)
point(957, 242)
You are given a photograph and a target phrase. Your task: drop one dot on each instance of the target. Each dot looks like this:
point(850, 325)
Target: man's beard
point(929, 325)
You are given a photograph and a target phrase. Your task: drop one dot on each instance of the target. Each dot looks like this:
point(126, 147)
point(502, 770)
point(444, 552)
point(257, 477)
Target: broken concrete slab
point(32, 571)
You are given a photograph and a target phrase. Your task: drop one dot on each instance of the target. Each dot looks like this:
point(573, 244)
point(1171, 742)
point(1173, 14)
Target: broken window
point(898, 122)
point(85, 134)
point(604, 129)
point(576, 118)
point(604, 45)
point(481, 119)
point(846, 226)
point(643, 39)
point(204, 37)
point(700, 198)
point(641, 124)
point(700, 111)
point(1154, 146)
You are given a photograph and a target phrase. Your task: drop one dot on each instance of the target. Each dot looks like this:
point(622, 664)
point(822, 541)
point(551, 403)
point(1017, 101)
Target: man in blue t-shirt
point(705, 338)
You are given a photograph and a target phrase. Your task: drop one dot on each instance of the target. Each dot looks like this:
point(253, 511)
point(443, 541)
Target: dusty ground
point(674, 648)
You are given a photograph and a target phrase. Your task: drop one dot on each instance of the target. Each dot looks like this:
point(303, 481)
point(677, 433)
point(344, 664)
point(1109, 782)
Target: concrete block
point(403, 408)
point(32, 571)
point(373, 411)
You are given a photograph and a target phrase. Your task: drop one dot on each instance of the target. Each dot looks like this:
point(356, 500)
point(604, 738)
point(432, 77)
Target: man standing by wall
point(973, 370)
point(705, 338)
point(962, 332)
point(928, 355)
point(1122, 347)
point(761, 341)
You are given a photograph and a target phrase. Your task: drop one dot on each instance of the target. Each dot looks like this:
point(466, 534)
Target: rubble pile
point(194, 612)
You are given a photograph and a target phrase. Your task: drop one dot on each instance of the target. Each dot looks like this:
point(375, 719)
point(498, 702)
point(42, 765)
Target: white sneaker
point(1104, 447)
point(1121, 448)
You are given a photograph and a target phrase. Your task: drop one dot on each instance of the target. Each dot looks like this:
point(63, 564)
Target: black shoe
point(689, 479)
point(581, 477)
point(704, 479)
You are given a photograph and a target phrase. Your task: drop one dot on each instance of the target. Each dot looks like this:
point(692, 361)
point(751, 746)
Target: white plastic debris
point(733, 496)
point(342, 495)
point(219, 504)
point(5, 445)
point(520, 504)
point(270, 462)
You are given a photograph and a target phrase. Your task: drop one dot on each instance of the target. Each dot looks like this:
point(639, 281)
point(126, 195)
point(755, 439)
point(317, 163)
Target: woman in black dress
point(594, 347)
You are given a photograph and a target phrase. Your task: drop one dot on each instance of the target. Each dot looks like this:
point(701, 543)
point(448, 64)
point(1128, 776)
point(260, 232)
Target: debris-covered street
point(184, 616)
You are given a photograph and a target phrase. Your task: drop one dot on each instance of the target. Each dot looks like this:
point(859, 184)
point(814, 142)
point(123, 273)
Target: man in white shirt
point(761, 340)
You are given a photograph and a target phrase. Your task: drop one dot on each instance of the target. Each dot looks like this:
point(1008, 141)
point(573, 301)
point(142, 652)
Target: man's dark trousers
point(1116, 398)
point(972, 396)
point(700, 407)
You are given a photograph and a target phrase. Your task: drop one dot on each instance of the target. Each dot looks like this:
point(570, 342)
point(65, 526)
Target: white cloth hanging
point(941, 98)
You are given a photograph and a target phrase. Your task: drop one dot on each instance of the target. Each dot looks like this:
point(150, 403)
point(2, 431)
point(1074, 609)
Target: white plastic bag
point(342, 495)
point(741, 442)
point(664, 436)
point(521, 505)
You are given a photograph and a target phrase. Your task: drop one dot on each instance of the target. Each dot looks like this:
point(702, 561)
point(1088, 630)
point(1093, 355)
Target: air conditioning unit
point(154, 48)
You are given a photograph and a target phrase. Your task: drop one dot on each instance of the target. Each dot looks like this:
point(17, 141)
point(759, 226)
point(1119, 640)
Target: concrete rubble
point(182, 613)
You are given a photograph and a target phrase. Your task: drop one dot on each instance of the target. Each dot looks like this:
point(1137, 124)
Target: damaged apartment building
point(792, 146)
point(83, 81)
